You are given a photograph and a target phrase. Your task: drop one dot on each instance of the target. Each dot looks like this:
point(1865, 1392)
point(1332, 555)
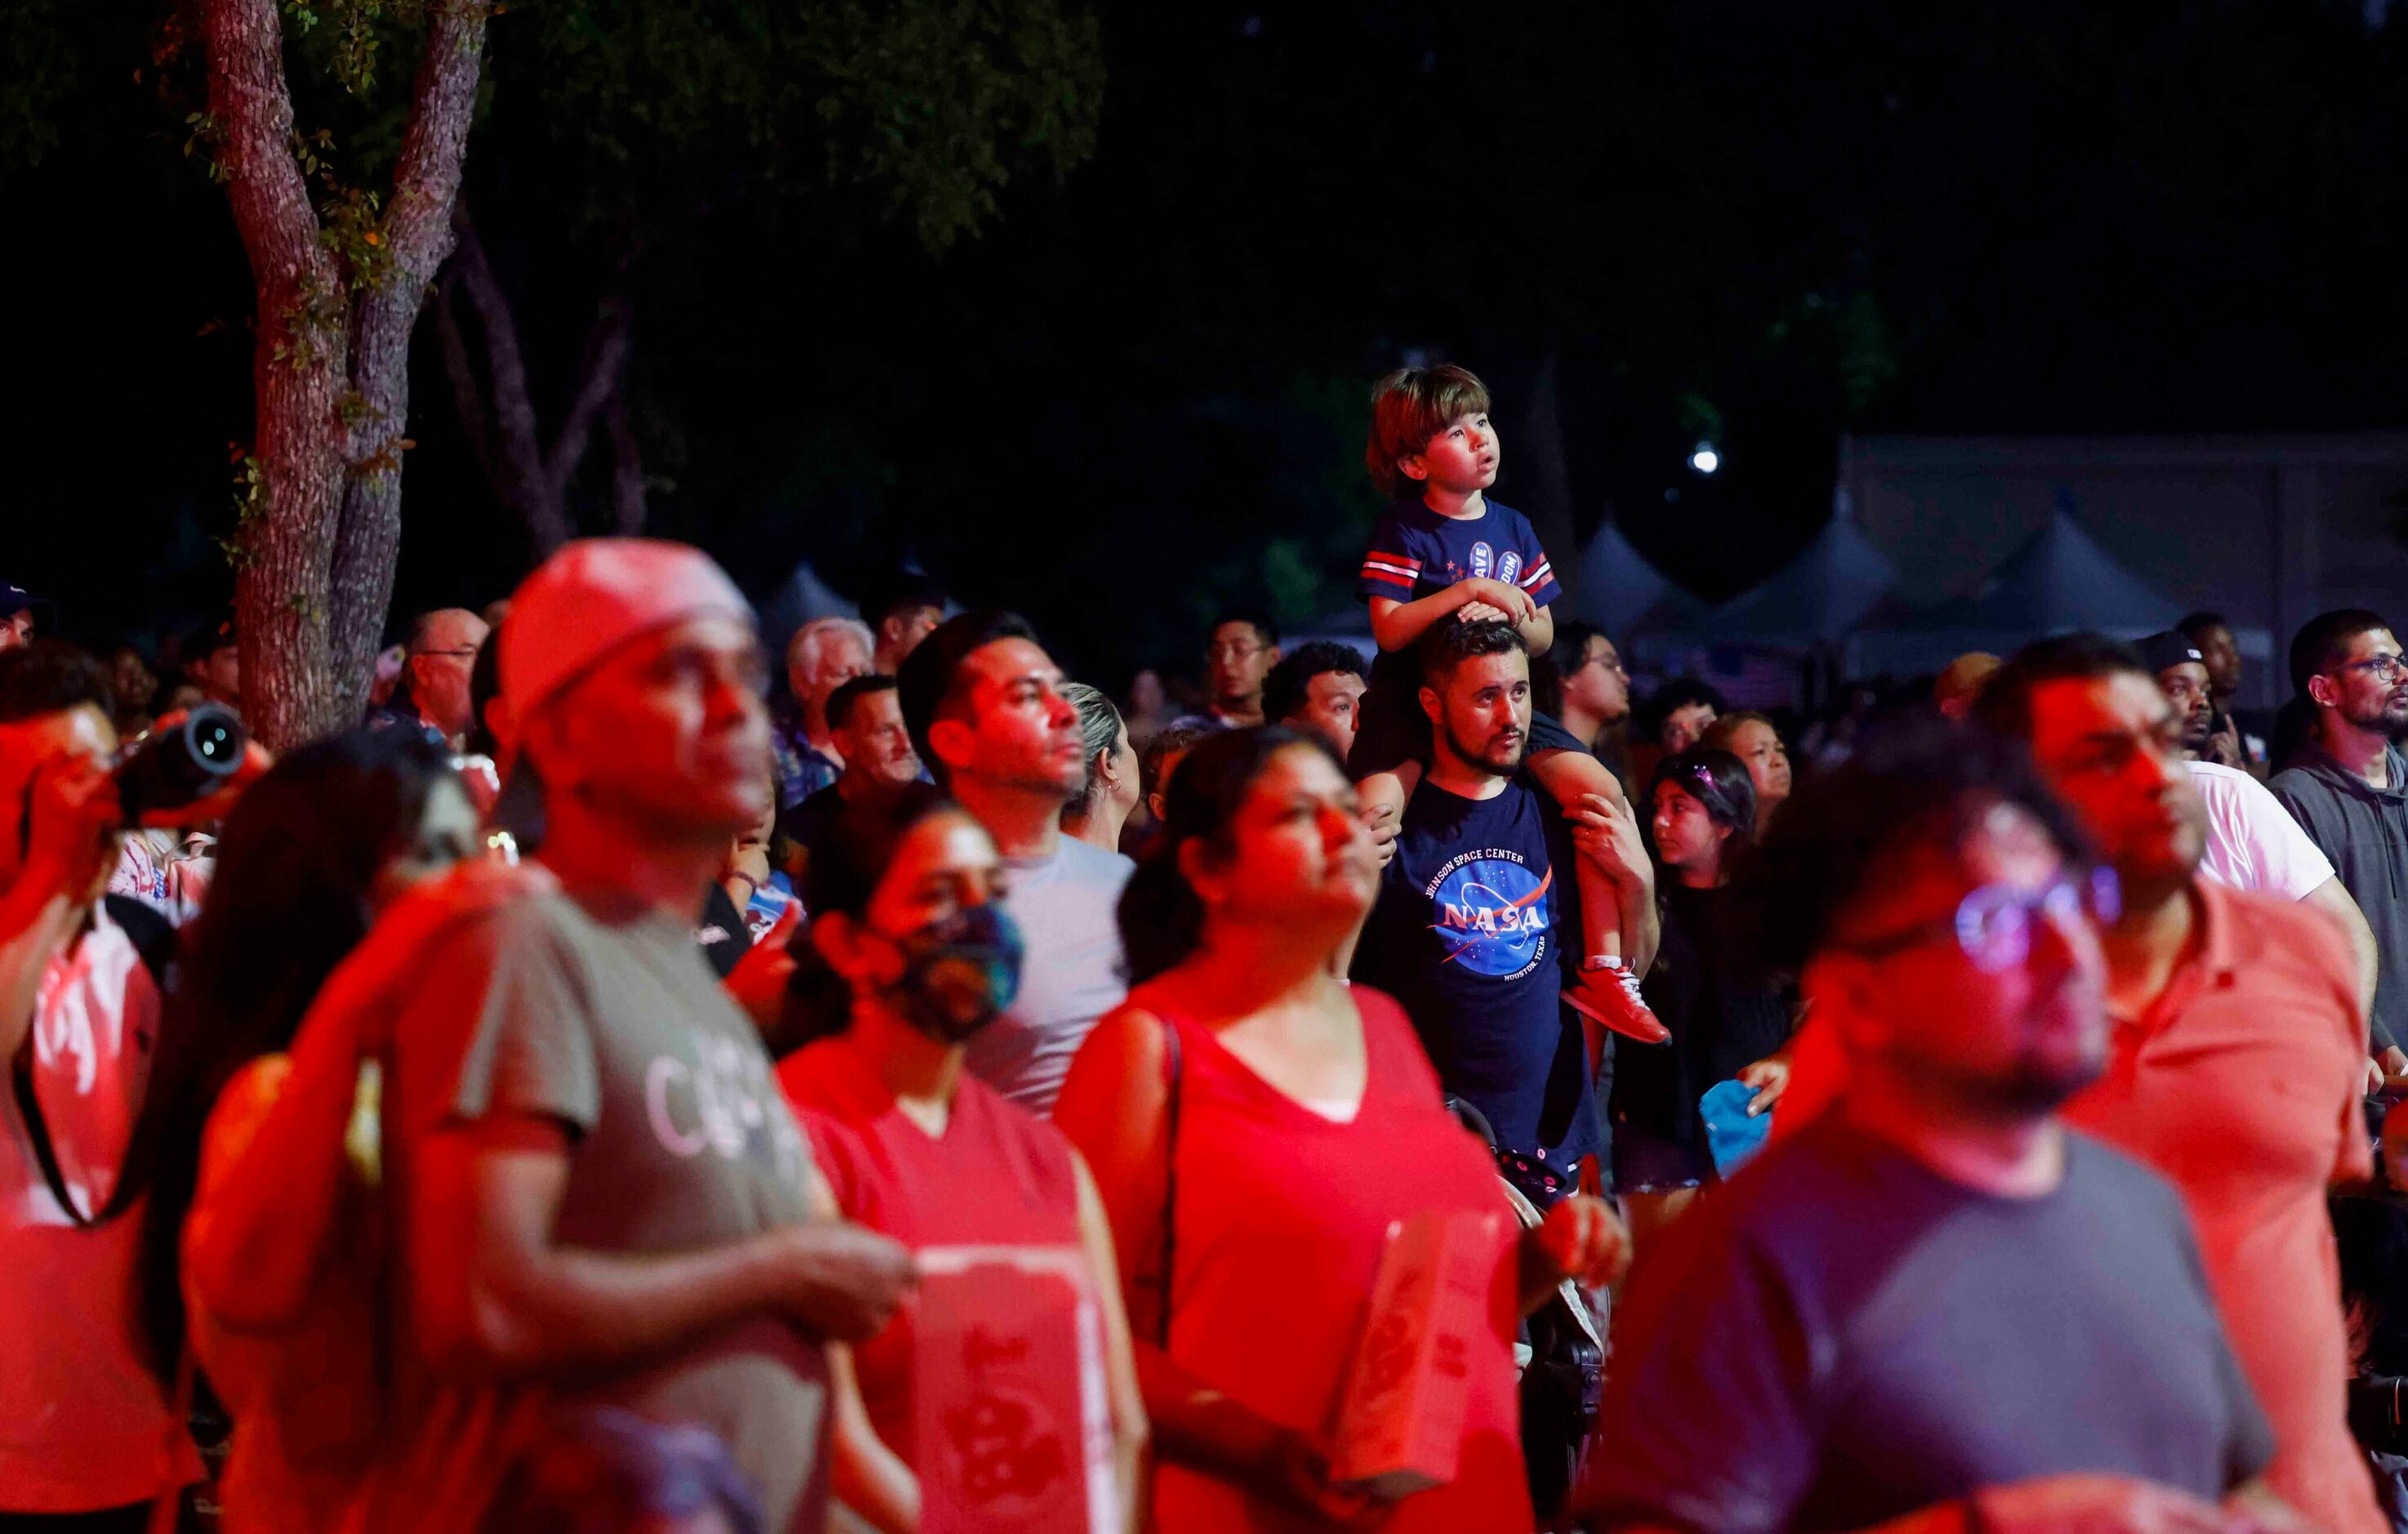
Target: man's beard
point(1509, 756)
point(2384, 718)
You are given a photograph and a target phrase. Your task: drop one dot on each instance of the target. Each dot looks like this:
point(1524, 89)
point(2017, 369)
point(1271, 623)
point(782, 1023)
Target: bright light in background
point(1704, 459)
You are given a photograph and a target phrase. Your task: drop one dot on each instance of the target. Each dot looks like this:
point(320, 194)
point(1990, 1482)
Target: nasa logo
point(1509, 566)
point(1492, 915)
point(1481, 557)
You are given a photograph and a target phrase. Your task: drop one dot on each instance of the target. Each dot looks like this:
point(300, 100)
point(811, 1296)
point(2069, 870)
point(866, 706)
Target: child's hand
point(1479, 612)
point(1512, 601)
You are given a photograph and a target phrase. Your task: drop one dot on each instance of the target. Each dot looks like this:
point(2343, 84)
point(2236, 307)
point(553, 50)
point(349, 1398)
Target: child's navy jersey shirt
point(1415, 552)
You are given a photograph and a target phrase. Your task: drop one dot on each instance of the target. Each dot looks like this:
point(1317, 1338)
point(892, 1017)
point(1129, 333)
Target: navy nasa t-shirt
point(1468, 936)
point(1415, 552)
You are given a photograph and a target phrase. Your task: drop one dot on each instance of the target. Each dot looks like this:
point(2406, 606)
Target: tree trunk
point(284, 542)
point(417, 230)
point(320, 527)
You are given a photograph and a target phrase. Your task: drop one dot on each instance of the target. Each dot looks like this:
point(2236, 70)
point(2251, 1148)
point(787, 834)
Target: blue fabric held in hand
point(1731, 1135)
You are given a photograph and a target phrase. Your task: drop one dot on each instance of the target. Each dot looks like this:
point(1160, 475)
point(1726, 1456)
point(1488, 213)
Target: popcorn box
point(1013, 1420)
point(1400, 1421)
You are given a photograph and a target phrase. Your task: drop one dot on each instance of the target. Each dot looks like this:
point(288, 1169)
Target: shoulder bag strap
point(1174, 1068)
point(38, 1129)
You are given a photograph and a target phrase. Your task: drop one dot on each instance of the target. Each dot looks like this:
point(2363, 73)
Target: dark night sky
point(1139, 393)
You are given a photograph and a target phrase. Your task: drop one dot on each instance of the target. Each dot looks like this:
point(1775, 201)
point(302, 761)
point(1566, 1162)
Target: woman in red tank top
point(918, 955)
point(1249, 1226)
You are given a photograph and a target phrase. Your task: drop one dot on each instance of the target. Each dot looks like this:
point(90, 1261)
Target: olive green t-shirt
point(608, 1022)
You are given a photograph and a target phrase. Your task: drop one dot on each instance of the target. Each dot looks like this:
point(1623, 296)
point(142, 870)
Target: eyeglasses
point(1993, 924)
point(2380, 667)
point(1238, 652)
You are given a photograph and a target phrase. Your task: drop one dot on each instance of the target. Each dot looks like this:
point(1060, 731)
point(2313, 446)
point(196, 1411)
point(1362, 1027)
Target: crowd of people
point(1436, 1091)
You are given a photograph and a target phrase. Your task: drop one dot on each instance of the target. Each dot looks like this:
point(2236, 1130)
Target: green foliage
point(353, 35)
point(655, 110)
point(250, 500)
point(924, 99)
point(41, 71)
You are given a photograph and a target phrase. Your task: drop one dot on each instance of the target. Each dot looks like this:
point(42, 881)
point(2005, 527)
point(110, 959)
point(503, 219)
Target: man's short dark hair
point(1449, 643)
point(929, 677)
point(1170, 740)
point(2324, 639)
point(908, 594)
point(1290, 682)
point(1266, 631)
point(1916, 777)
point(48, 676)
point(2193, 624)
point(841, 702)
point(2004, 704)
point(1570, 648)
point(1674, 695)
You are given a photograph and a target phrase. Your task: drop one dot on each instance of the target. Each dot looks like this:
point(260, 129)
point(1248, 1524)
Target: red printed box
point(1401, 1422)
point(1014, 1423)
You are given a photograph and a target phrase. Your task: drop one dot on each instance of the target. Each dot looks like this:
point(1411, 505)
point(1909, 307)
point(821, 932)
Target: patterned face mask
point(959, 973)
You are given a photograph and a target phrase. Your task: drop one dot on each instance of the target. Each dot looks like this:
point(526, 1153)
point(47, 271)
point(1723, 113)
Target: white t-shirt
point(2252, 843)
point(1067, 908)
point(84, 1423)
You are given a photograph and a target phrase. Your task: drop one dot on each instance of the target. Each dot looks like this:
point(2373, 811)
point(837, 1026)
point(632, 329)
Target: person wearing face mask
point(324, 841)
point(906, 913)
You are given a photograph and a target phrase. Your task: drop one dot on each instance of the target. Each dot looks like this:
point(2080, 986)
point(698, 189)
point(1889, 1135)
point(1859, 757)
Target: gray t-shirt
point(2364, 830)
point(1067, 908)
point(609, 1022)
point(1839, 1337)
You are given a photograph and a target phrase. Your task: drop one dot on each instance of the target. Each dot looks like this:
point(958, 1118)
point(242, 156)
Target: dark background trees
point(1129, 386)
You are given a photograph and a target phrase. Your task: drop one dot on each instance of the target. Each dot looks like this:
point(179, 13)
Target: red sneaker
point(1610, 996)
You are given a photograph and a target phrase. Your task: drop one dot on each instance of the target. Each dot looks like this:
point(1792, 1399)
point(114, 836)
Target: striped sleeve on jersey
point(1390, 575)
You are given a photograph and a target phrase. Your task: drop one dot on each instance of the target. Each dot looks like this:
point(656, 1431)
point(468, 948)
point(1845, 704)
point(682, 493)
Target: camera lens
point(169, 769)
point(216, 741)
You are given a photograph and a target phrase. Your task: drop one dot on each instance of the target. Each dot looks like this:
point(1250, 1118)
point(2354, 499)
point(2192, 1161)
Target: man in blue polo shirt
point(1476, 911)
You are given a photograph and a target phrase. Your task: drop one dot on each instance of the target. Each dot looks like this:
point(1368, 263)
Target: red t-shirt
point(1280, 1221)
point(997, 1176)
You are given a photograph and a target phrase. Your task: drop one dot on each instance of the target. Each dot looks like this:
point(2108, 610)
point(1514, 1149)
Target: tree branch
point(627, 468)
point(458, 365)
point(517, 471)
point(251, 136)
point(606, 360)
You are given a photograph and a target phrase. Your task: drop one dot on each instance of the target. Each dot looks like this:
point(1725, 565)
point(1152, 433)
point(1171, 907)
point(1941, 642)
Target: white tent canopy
point(1817, 597)
point(1620, 591)
point(2058, 582)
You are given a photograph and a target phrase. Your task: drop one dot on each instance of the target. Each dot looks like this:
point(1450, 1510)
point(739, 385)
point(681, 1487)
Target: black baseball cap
point(2164, 652)
point(16, 599)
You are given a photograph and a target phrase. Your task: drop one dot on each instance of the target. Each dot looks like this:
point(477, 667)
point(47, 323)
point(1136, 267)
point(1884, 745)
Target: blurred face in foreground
point(669, 732)
point(1297, 855)
point(1970, 967)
